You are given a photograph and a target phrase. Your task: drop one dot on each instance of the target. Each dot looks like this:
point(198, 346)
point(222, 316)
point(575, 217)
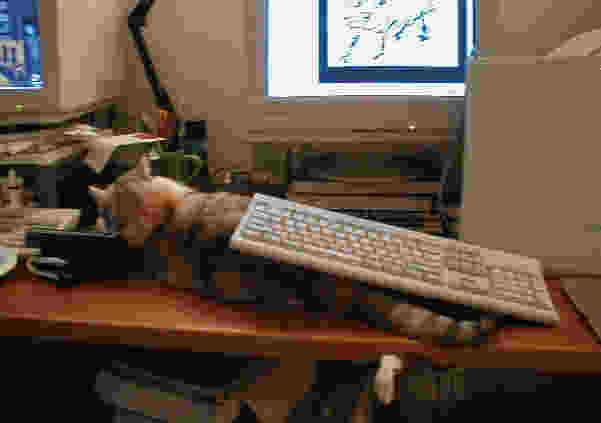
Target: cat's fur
point(140, 206)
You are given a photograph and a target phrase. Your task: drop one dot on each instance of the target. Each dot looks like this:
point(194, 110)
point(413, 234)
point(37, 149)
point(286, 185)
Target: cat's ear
point(143, 168)
point(101, 197)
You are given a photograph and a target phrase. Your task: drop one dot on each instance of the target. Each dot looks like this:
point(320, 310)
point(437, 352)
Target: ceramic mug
point(174, 165)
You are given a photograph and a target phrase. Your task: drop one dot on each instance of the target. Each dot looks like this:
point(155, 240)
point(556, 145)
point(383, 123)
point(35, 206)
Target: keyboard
point(417, 221)
point(15, 223)
point(396, 258)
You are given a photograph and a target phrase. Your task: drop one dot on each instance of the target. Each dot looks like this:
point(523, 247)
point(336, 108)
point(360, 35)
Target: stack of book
point(140, 395)
point(404, 204)
point(40, 147)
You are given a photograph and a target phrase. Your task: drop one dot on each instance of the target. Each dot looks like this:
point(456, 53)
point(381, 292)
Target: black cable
point(136, 23)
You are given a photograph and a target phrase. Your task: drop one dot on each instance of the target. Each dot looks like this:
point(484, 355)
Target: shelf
point(350, 140)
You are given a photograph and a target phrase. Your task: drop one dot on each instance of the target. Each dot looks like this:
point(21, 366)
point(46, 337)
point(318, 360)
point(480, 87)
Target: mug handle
point(197, 163)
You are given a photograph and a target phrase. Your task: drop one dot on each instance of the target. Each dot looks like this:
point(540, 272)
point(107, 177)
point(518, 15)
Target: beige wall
point(201, 56)
point(92, 50)
point(199, 53)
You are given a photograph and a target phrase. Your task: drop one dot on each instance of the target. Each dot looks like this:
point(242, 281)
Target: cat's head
point(137, 203)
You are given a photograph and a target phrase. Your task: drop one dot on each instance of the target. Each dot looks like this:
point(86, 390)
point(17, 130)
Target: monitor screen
point(20, 47)
point(368, 47)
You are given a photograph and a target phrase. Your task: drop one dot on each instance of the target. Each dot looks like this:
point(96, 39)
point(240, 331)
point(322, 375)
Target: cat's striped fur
point(143, 203)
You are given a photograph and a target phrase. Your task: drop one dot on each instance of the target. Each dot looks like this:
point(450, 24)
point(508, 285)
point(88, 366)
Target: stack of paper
point(102, 149)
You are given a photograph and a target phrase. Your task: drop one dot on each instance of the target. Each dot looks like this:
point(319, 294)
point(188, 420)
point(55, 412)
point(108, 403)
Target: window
point(13, 55)
point(4, 54)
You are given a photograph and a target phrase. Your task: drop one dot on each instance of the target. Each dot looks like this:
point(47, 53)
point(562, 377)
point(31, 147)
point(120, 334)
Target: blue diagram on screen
point(393, 40)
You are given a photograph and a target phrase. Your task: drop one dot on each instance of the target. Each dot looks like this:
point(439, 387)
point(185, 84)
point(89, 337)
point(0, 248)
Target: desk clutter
point(184, 236)
point(243, 390)
point(101, 147)
point(41, 147)
point(16, 222)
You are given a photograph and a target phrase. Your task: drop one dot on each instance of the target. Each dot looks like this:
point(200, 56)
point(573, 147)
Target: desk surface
point(142, 313)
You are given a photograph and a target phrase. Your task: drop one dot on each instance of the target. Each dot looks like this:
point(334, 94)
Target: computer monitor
point(359, 70)
point(58, 57)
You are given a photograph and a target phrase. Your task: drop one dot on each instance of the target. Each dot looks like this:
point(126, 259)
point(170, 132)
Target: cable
point(30, 266)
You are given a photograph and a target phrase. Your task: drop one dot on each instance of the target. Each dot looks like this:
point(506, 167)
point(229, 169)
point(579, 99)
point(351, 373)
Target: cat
point(162, 215)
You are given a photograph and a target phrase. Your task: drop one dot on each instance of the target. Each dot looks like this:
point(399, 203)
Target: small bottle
point(15, 190)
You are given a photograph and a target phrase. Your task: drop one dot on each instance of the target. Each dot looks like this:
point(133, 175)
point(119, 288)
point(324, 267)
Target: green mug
point(173, 165)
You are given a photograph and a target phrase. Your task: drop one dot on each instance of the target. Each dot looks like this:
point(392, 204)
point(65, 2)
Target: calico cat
point(162, 215)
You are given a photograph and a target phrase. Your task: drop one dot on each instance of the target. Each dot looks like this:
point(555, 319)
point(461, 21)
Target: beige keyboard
point(15, 223)
point(392, 257)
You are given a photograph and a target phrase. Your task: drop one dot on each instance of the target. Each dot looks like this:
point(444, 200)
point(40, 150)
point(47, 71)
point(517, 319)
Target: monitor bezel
point(429, 112)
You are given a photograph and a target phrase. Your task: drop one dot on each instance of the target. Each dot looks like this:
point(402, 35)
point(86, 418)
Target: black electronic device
point(71, 257)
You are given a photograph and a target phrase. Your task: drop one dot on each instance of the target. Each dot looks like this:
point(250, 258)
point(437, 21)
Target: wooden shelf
point(383, 140)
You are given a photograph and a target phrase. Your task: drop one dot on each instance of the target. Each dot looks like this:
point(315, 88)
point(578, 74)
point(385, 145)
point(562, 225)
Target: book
point(146, 393)
point(126, 416)
point(362, 201)
point(372, 189)
point(151, 401)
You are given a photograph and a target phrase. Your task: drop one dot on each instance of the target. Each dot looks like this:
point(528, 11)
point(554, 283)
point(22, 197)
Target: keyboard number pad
point(520, 287)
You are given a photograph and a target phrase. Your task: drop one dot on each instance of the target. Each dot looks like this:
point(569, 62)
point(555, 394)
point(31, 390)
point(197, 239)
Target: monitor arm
point(137, 20)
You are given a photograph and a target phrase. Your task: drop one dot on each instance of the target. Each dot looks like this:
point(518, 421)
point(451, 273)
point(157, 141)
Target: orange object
point(167, 124)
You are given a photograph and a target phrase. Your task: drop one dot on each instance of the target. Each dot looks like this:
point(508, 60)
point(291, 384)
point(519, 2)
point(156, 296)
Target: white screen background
point(293, 58)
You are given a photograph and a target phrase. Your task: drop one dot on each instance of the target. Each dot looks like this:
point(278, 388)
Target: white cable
point(29, 264)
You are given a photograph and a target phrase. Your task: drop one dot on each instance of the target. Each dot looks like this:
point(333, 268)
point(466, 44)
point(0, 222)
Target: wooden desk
point(146, 314)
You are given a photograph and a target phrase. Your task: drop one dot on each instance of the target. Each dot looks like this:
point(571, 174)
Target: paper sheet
point(101, 149)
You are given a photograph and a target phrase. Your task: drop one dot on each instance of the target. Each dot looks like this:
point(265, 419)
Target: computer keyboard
point(15, 223)
point(396, 258)
point(414, 220)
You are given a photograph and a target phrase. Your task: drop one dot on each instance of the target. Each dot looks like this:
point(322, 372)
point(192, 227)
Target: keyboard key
point(415, 271)
point(510, 297)
point(452, 279)
point(372, 264)
point(432, 278)
point(476, 283)
point(398, 270)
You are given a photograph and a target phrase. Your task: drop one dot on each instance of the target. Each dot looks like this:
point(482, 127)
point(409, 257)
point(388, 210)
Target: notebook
point(585, 293)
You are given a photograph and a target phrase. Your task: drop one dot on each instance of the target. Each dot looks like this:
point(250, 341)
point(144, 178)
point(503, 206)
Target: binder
point(585, 293)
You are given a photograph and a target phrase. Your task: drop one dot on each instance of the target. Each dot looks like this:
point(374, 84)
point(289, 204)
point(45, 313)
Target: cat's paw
point(100, 225)
point(384, 384)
